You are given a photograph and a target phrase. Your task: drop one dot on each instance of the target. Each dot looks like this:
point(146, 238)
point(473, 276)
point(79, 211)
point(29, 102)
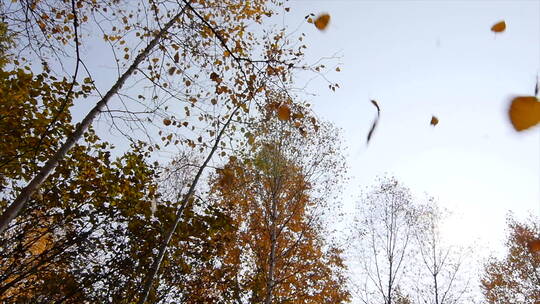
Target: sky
point(424, 58)
point(418, 59)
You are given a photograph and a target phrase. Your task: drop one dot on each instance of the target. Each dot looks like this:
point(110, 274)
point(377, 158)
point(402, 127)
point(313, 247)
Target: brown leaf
point(499, 27)
point(434, 121)
point(215, 77)
point(374, 122)
point(228, 177)
point(534, 246)
point(166, 122)
point(524, 112)
point(284, 113)
point(322, 22)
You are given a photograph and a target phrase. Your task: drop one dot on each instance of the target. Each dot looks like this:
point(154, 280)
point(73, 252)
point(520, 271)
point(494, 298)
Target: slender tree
point(442, 276)
point(384, 234)
point(279, 243)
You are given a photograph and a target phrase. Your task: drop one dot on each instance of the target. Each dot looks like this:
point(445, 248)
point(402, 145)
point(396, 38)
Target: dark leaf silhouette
point(374, 122)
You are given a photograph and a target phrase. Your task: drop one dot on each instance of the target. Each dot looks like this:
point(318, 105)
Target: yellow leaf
point(284, 113)
point(322, 21)
point(499, 27)
point(524, 112)
point(434, 121)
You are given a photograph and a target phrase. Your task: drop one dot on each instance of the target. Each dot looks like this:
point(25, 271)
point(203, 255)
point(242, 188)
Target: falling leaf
point(499, 27)
point(166, 121)
point(524, 112)
point(375, 122)
point(534, 246)
point(284, 113)
point(434, 121)
point(322, 22)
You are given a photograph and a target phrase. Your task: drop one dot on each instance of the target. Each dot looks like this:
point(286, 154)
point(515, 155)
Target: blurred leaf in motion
point(434, 121)
point(322, 22)
point(524, 112)
point(534, 246)
point(499, 27)
point(284, 113)
point(375, 122)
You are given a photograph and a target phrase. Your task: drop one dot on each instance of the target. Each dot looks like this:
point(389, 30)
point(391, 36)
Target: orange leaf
point(499, 27)
point(534, 246)
point(284, 113)
point(524, 112)
point(434, 121)
point(322, 22)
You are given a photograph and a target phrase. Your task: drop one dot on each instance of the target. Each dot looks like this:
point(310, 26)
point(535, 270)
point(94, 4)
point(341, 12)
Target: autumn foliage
point(516, 277)
point(278, 244)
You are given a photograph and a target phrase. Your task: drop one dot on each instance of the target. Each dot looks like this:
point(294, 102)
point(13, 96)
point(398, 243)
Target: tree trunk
point(149, 279)
point(272, 257)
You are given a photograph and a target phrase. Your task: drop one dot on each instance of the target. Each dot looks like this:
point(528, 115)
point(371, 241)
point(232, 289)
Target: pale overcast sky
point(424, 58)
point(418, 59)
